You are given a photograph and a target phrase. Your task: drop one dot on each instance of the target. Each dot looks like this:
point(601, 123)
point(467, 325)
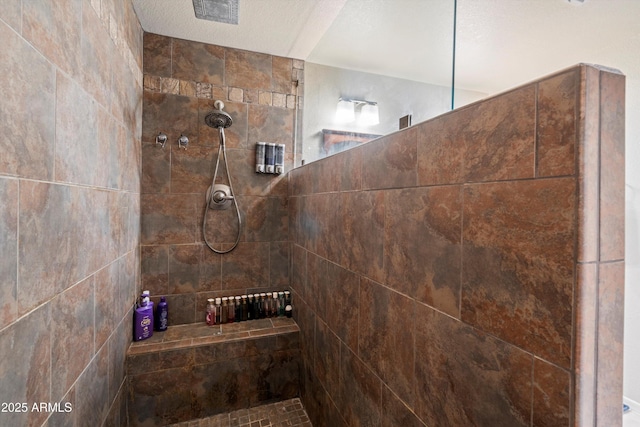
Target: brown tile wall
point(469, 270)
point(70, 167)
point(195, 371)
point(182, 79)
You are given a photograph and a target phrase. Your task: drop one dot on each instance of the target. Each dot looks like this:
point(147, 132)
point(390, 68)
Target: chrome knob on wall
point(183, 141)
point(161, 139)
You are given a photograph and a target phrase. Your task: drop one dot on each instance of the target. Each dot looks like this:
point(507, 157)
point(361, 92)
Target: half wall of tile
point(182, 80)
point(469, 270)
point(71, 112)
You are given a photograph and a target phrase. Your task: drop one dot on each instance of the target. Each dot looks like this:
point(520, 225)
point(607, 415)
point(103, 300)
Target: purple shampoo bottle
point(162, 315)
point(143, 322)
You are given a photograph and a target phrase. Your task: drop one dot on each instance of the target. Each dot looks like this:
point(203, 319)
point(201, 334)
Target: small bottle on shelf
point(288, 308)
point(211, 312)
point(245, 313)
point(238, 308)
point(274, 305)
point(224, 314)
point(281, 304)
point(269, 309)
point(162, 315)
point(262, 305)
point(218, 310)
point(232, 311)
point(250, 313)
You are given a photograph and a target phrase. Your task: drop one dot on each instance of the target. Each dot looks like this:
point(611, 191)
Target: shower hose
point(232, 196)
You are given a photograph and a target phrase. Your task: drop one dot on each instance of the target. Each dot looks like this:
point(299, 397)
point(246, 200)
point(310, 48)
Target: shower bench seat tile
point(194, 371)
point(192, 335)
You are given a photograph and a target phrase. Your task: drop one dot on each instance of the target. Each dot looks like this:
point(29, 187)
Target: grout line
point(533, 386)
point(17, 301)
point(93, 298)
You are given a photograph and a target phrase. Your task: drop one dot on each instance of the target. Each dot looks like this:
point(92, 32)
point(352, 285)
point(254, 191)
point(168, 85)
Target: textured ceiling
point(289, 28)
point(500, 43)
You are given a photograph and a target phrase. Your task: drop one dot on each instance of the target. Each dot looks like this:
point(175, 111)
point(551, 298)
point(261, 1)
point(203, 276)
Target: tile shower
point(182, 79)
point(380, 313)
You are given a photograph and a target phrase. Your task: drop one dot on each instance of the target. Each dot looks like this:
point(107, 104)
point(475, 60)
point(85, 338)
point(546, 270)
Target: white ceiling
point(500, 43)
point(289, 28)
point(504, 43)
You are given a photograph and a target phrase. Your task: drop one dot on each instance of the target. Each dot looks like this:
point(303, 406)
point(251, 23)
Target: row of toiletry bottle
point(143, 318)
point(248, 307)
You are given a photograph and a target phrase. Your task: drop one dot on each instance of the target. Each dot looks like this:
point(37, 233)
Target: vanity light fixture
point(345, 112)
point(368, 111)
point(369, 115)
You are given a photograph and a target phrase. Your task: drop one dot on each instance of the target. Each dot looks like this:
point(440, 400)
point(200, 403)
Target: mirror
point(393, 56)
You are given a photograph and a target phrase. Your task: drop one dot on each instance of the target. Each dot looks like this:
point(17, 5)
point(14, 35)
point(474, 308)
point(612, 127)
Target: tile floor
point(288, 413)
point(291, 413)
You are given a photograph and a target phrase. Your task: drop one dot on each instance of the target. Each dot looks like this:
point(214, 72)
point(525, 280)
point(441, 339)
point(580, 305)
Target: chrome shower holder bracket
point(219, 197)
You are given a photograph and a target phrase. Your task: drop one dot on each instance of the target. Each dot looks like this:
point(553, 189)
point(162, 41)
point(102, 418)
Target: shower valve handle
point(219, 196)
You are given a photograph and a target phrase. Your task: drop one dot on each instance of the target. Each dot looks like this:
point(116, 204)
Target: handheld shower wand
point(220, 196)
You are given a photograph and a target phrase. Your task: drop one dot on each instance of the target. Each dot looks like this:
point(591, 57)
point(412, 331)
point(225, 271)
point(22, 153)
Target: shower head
point(218, 119)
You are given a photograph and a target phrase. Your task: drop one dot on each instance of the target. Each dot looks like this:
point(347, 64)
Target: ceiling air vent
point(217, 10)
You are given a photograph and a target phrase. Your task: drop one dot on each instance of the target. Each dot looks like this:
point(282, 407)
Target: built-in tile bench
point(194, 371)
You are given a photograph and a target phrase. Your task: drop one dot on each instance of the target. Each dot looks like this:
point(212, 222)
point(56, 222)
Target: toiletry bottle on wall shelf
point(224, 314)
point(210, 316)
point(281, 304)
point(146, 297)
point(262, 305)
point(256, 306)
point(238, 308)
point(268, 305)
point(231, 312)
point(143, 321)
point(288, 309)
point(218, 310)
point(245, 307)
point(250, 312)
point(162, 315)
